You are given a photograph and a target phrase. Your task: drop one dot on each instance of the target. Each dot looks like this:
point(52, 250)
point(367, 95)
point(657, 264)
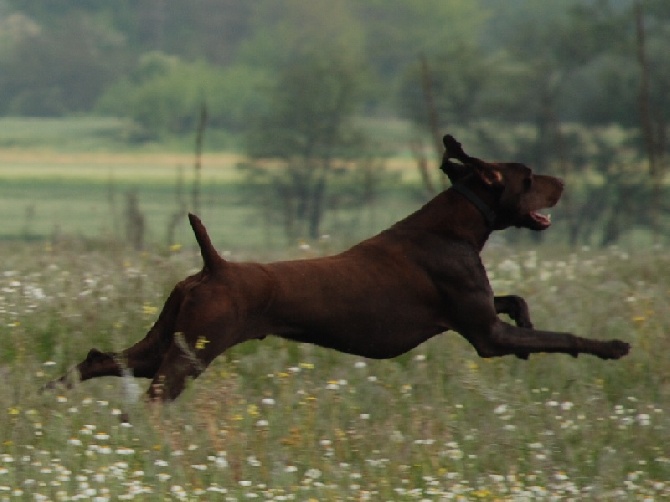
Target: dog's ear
point(454, 150)
point(488, 173)
point(456, 171)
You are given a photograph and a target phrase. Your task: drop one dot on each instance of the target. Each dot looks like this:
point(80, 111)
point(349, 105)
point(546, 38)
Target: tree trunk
point(646, 120)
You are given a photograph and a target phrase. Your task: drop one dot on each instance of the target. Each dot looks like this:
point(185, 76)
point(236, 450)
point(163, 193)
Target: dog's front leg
point(521, 341)
point(515, 307)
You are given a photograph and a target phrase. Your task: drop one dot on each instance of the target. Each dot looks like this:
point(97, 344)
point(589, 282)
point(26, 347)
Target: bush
point(165, 97)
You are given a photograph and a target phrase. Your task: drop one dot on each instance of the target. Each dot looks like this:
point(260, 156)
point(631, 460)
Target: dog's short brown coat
point(379, 299)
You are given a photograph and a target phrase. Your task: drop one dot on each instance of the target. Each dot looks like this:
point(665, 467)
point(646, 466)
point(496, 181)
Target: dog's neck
point(448, 216)
point(488, 213)
point(470, 222)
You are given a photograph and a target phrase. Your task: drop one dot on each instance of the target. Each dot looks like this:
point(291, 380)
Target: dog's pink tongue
point(543, 220)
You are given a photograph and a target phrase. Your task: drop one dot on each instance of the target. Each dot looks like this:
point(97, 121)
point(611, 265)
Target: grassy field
point(275, 420)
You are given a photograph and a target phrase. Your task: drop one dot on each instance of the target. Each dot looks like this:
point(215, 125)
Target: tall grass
point(275, 420)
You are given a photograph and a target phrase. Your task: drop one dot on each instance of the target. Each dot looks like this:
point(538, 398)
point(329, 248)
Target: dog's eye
point(527, 183)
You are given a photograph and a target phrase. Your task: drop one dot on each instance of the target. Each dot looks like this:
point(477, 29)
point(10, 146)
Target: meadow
point(276, 420)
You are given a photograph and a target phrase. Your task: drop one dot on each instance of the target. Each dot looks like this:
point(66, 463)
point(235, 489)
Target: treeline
point(511, 60)
point(575, 86)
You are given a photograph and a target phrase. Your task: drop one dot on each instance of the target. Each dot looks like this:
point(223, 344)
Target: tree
point(464, 78)
point(399, 32)
point(308, 136)
point(163, 96)
point(304, 138)
point(59, 69)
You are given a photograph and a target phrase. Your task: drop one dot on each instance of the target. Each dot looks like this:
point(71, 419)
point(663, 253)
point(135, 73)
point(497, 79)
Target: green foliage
point(306, 124)
point(164, 96)
point(399, 32)
point(510, 61)
point(308, 112)
point(600, 92)
point(54, 71)
point(464, 82)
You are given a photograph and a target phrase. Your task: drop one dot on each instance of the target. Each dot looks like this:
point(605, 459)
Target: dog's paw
point(615, 349)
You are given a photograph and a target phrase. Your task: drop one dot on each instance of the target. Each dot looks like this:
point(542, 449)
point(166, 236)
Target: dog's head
point(512, 192)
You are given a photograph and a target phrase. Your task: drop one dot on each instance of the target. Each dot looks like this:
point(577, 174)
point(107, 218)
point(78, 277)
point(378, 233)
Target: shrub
point(164, 97)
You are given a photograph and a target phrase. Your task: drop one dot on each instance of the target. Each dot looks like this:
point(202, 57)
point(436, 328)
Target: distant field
point(71, 177)
point(70, 134)
point(106, 167)
point(43, 193)
point(86, 134)
point(46, 193)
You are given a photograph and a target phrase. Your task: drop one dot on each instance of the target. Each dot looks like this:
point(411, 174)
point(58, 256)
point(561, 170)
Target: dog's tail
point(210, 256)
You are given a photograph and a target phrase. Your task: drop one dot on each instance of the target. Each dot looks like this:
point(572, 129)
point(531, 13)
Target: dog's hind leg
point(141, 360)
point(179, 364)
point(200, 335)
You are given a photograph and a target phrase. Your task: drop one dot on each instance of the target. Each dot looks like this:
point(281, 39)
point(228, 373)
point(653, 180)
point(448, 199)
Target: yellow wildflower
point(148, 309)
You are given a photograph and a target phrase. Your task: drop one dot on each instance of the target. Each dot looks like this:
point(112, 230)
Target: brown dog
point(379, 299)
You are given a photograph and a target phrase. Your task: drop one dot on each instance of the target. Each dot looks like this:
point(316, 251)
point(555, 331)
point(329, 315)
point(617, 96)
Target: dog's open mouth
point(539, 221)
